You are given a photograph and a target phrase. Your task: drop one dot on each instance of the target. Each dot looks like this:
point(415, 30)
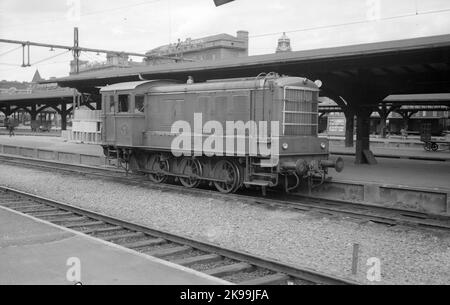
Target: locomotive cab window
point(111, 104)
point(124, 103)
point(139, 103)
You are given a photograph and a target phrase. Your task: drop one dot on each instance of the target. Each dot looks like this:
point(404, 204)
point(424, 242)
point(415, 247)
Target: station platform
point(397, 153)
point(50, 143)
point(412, 173)
point(36, 252)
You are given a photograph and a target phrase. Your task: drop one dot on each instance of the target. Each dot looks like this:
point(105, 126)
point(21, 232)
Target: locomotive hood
point(236, 84)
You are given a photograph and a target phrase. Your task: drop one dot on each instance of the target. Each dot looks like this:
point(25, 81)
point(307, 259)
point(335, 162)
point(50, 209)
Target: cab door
point(109, 126)
point(124, 120)
point(130, 119)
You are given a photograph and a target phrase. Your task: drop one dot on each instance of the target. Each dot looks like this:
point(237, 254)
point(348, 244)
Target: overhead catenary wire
point(91, 56)
point(321, 27)
point(10, 51)
point(9, 64)
point(51, 57)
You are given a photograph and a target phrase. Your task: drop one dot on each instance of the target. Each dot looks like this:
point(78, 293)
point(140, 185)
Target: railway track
point(233, 266)
point(377, 214)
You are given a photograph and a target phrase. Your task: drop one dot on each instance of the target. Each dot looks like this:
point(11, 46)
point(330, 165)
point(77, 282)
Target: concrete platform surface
point(36, 252)
point(402, 153)
point(412, 173)
point(51, 143)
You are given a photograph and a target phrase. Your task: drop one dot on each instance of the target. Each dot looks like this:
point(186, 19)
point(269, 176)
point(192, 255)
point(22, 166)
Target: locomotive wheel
point(227, 171)
point(155, 164)
point(191, 167)
point(240, 171)
point(133, 164)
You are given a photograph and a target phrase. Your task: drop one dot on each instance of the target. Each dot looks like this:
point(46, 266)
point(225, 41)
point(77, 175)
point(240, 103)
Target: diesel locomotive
point(231, 133)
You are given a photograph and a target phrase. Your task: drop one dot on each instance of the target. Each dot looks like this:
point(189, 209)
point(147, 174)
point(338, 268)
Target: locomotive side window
point(139, 103)
point(124, 103)
point(111, 104)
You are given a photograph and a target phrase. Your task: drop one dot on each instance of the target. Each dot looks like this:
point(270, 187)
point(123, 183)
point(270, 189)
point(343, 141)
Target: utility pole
point(76, 50)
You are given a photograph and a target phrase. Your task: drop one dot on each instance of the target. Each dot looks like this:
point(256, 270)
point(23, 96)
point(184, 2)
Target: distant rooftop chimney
point(243, 35)
point(284, 44)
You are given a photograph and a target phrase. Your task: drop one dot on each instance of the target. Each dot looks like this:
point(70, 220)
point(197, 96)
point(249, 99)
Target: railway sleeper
point(201, 259)
point(15, 202)
point(41, 210)
point(161, 253)
point(84, 224)
point(102, 230)
point(67, 219)
point(21, 207)
point(48, 214)
point(144, 243)
point(114, 238)
point(272, 279)
point(229, 269)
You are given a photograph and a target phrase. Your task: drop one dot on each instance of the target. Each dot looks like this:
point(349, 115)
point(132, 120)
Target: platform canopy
point(418, 65)
point(37, 101)
point(419, 99)
point(420, 102)
point(37, 97)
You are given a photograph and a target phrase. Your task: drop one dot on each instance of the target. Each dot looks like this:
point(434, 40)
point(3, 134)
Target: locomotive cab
point(123, 114)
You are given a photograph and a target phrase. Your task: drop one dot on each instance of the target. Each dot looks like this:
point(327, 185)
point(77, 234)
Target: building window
point(139, 103)
point(111, 104)
point(124, 103)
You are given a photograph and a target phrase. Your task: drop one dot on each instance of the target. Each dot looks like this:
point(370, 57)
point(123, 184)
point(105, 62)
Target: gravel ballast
point(407, 255)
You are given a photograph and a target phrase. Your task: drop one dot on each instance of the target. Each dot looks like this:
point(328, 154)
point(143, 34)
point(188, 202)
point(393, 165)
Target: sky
point(139, 25)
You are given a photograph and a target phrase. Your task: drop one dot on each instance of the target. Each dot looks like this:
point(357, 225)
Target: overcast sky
point(141, 25)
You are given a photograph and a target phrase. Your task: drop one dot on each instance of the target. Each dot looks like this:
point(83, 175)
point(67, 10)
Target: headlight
point(323, 146)
point(285, 146)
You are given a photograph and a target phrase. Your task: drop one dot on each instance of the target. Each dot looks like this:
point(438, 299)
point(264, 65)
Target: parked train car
point(138, 128)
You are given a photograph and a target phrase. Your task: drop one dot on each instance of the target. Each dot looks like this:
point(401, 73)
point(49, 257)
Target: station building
point(216, 47)
point(113, 61)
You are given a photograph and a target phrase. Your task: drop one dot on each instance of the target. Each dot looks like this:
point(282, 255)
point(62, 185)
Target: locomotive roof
point(236, 85)
point(165, 86)
point(133, 85)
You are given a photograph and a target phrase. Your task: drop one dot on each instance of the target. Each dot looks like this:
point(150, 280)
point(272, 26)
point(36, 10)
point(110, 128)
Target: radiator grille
point(300, 113)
